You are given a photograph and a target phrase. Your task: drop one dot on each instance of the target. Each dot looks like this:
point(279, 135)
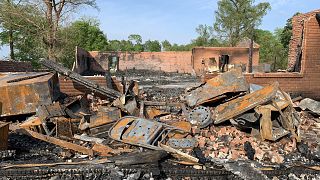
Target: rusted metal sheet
point(106, 117)
point(45, 112)
point(27, 77)
point(267, 131)
point(24, 96)
point(141, 132)
point(31, 122)
point(4, 133)
point(64, 127)
point(242, 104)
point(232, 81)
point(151, 113)
point(311, 105)
point(288, 118)
point(184, 125)
point(64, 144)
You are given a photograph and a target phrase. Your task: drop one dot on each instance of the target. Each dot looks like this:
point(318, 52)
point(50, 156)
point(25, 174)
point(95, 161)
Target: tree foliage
point(40, 20)
point(271, 49)
point(23, 29)
point(286, 33)
point(152, 46)
point(205, 36)
point(235, 19)
point(136, 40)
point(88, 35)
point(84, 33)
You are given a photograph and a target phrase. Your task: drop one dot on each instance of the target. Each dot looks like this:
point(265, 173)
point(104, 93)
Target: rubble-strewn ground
point(223, 143)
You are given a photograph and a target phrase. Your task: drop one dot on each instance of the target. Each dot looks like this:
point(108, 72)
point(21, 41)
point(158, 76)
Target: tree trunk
point(11, 44)
point(50, 34)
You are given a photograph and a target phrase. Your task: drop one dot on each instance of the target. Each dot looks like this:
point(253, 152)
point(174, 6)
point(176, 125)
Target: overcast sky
point(175, 20)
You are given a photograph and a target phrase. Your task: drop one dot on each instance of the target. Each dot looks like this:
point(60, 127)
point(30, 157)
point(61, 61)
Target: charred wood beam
point(64, 144)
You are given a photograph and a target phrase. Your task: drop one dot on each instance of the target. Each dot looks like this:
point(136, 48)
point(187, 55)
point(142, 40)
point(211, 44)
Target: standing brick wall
point(237, 55)
point(72, 88)
point(165, 61)
point(15, 66)
point(306, 82)
point(174, 61)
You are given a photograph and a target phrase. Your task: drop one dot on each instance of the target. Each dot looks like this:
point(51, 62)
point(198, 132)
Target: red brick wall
point(69, 87)
point(307, 82)
point(172, 61)
point(237, 55)
point(299, 22)
point(15, 66)
point(164, 61)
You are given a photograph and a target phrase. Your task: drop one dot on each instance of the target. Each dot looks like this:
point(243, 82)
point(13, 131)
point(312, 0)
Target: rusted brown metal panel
point(232, 81)
point(25, 95)
point(242, 104)
point(4, 133)
point(102, 118)
point(141, 132)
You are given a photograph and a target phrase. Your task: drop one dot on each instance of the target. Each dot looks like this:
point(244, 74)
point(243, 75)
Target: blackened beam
point(56, 141)
point(110, 93)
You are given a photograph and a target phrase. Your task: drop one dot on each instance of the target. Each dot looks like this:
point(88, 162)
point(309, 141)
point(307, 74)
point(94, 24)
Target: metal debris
point(200, 116)
point(102, 91)
point(184, 143)
point(95, 126)
point(242, 104)
point(45, 112)
point(214, 89)
point(311, 105)
point(23, 97)
point(141, 132)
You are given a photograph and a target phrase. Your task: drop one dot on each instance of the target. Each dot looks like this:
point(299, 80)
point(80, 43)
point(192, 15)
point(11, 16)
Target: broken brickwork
point(305, 82)
point(15, 66)
point(299, 32)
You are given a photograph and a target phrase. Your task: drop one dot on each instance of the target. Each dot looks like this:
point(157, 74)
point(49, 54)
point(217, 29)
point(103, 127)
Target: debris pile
point(222, 119)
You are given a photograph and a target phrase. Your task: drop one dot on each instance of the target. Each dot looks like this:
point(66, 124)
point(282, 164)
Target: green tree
point(40, 19)
point(136, 40)
point(126, 45)
point(114, 45)
point(286, 33)
point(235, 19)
point(55, 11)
point(23, 28)
point(166, 45)
point(205, 36)
point(88, 35)
point(271, 49)
point(84, 33)
point(152, 46)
